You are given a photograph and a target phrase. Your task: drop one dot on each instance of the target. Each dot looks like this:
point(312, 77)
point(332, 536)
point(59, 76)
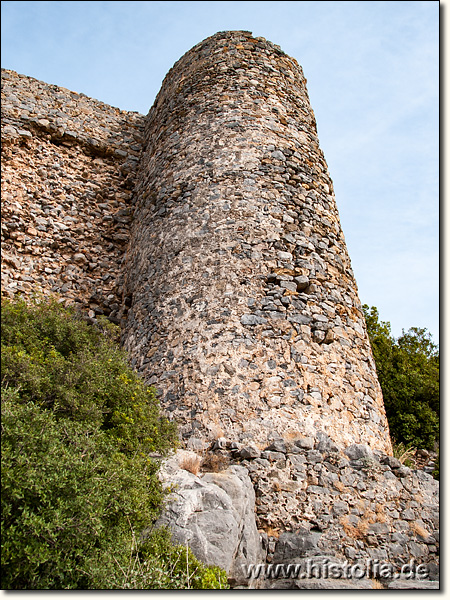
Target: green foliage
point(180, 564)
point(436, 467)
point(77, 481)
point(68, 498)
point(403, 453)
point(62, 363)
point(408, 371)
point(158, 564)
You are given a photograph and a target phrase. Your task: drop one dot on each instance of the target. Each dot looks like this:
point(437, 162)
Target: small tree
point(408, 371)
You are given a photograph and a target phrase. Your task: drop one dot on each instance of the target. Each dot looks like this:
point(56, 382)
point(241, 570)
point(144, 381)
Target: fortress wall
point(244, 308)
point(67, 173)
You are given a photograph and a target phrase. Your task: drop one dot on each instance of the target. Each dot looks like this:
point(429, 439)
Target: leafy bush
point(68, 499)
point(64, 364)
point(158, 564)
point(408, 371)
point(78, 425)
point(436, 467)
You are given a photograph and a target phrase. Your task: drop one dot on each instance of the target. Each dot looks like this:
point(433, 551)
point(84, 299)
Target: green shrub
point(78, 425)
point(68, 499)
point(408, 371)
point(436, 466)
point(158, 564)
point(64, 364)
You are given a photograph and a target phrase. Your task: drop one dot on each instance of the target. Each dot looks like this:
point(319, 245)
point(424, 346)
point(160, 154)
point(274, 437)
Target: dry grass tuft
point(419, 530)
point(380, 514)
point(214, 463)
point(276, 486)
point(272, 532)
point(405, 454)
point(191, 463)
point(377, 585)
point(355, 532)
point(369, 516)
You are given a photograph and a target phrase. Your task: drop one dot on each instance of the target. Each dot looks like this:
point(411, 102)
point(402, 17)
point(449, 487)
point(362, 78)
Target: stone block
point(358, 451)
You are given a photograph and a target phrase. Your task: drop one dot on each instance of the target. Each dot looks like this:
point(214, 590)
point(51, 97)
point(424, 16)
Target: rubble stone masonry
point(244, 308)
point(68, 164)
point(233, 286)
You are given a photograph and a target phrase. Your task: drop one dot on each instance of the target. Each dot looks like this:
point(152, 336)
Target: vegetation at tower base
point(408, 371)
point(78, 484)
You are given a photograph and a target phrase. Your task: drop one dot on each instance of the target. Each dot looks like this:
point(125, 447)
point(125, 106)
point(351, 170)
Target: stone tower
point(243, 307)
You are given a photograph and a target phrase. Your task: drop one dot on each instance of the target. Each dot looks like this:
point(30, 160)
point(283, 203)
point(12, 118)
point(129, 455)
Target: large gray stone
point(378, 528)
point(340, 508)
point(292, 546)
point(302, 282)
point(403, 471)
point(250, 319)
point(320, 584)
point(307, 443)
point(277, 446)
point(214, 514)
point(321, 571)
point(411, 584)
point(391, 461)
point(314, 456)
point(358, 451)
point(325, 443)
point(249, 452)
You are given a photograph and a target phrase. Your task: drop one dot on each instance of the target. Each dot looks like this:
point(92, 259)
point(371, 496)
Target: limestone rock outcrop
point(214, 514)
point(296, 517)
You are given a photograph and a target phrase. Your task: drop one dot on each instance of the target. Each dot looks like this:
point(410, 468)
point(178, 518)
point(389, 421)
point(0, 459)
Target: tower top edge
point(238, 38)
point(232, 35)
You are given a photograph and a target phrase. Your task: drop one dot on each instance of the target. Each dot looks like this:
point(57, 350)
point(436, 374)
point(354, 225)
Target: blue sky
point(373, 80)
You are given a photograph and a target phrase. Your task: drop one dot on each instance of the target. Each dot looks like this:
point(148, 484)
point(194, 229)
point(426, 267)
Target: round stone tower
point(243, 307)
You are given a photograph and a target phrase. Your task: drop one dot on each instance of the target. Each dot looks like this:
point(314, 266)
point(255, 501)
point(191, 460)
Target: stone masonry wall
point(67, 178)
point(244, 308)
point(315, 498)
point(320, 503)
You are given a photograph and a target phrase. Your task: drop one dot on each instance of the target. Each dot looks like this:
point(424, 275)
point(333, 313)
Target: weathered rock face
point(67, 175)
point(244, 309)
point(214, 514)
